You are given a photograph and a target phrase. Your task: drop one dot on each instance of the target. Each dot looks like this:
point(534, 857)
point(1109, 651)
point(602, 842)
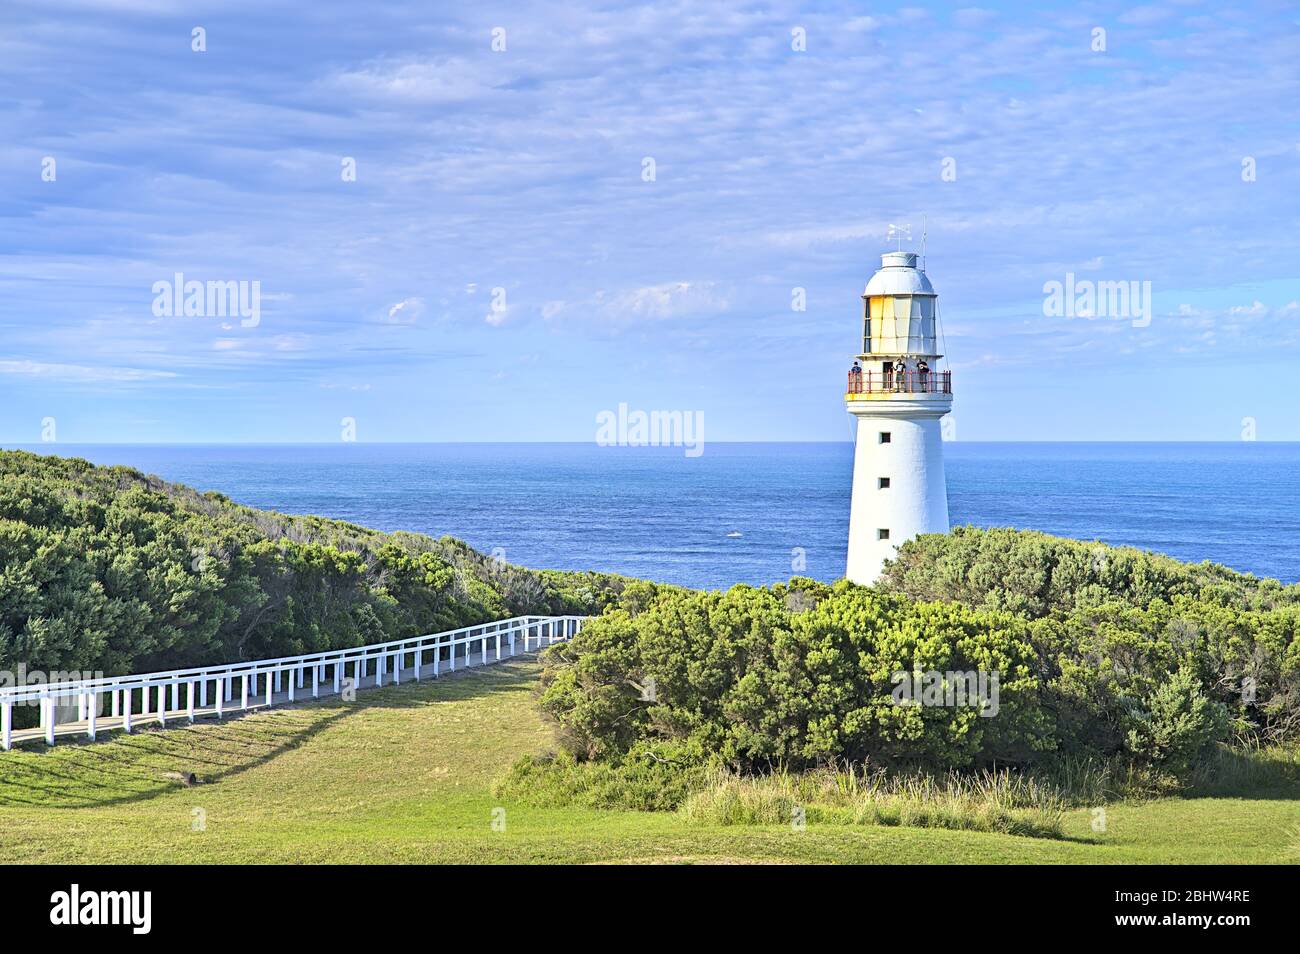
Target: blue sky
point(523, 170)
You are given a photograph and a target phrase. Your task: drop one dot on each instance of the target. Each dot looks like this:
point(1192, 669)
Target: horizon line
point(26, 445)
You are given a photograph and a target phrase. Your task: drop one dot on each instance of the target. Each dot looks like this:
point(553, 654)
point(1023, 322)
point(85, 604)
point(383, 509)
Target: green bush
point(1037, 575)
point(1112, 624)
point(1151, 668)
point(1178, 725)
point(636, 783)
point(108, 569)
point(741, 678)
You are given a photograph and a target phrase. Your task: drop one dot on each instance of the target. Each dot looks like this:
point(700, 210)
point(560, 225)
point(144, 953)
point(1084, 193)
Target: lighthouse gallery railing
point(906, 382)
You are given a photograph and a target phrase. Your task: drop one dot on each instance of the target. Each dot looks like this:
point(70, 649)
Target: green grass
point(999, 801)
point(407, 773)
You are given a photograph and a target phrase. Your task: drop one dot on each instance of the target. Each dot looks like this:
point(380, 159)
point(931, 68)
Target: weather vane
point(900, 232)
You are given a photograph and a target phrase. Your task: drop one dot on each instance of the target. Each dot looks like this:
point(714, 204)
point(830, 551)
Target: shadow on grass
point(1271, 774)
point(121, 768)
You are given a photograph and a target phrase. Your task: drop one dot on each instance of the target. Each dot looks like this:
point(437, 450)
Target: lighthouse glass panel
point(903, 322)
point(884, 327)
point(925, 326)
point(920, 326)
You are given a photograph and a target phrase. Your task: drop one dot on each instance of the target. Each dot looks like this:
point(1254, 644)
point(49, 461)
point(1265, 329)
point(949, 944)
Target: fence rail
point(191, 689)
point(906, 382)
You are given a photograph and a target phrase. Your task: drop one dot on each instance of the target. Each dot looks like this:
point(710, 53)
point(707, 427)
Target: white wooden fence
point(191, 689)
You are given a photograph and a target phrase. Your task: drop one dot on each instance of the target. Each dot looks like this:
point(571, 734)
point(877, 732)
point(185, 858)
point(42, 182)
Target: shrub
point(1178, 725)
point(739, 677)
point(803, 674)
point(108, 569)
point(1113, 624)
point(636, 783)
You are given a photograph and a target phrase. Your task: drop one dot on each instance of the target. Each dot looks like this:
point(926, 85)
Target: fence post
point(498, 646)
point(279, 682)
point(270, 689)
point(437, 658)
point(92, 707)
point(221, 697)
point(338, 665)
point(189, 699)
point(6, 725)
point(419, 657)
point(127, 705)
point(117, 703)
point(162, 705)
point(47, 711)
point(397, 667)
point(244, 691)
point(315, 683)
point(176, 696)
point(203, 692)
point(293, 680)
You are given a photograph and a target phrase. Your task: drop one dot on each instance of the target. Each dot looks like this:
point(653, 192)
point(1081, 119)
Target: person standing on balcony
point(923, 373)
point(900, 376)
point(855, 378)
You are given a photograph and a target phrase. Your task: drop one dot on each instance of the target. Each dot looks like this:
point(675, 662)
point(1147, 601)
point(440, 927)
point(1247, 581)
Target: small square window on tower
point(884, 437)
point(883, 483)
point(882, 534)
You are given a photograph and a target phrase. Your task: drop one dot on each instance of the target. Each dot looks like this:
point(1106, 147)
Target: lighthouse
point(897, 395)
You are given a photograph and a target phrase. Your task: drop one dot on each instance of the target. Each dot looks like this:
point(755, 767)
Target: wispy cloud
point(81, 374)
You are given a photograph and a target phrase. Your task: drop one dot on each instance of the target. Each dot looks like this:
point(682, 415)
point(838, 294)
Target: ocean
point(749, 513)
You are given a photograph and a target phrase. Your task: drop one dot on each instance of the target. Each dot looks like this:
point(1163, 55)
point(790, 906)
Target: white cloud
point(1254, 310)
point(81, 373)
point(449, 80)
point(405, 312)
point(669, 300)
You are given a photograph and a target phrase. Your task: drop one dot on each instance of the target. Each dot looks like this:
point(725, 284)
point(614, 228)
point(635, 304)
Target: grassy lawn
point(405, 774)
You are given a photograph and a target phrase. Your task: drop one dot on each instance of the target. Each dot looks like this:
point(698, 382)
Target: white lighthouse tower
point(897, 394)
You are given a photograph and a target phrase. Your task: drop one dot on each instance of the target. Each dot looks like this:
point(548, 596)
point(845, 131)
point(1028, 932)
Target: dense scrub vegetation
point(1128, 617)
point(105, 568)
point(1102, 653)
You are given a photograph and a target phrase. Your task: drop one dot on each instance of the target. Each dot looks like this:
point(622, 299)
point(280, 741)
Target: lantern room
point(899, 310)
